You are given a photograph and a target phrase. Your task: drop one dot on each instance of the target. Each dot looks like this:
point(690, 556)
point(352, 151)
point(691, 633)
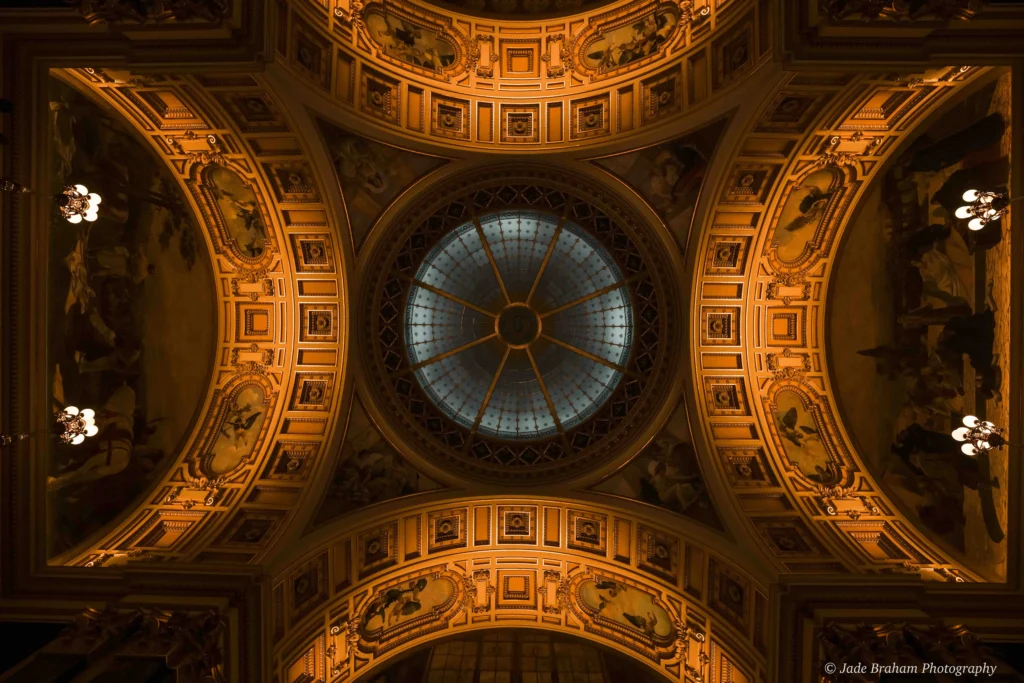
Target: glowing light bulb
point(81, 189)
point(74, 218)
point(971, 196)
point(95, 198)
point(964, 212)
point(976, 225)
point(71, 410)
point(969, 449)
point(88, 413)
point(961, 433)
point(91, 430)
point(78, 439)
point(91, 217)
point(971, 421)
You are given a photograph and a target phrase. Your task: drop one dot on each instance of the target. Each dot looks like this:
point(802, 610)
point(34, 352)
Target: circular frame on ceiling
point(614, 230)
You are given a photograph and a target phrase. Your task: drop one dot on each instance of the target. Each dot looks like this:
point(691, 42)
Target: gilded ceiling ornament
point(840, 151)
point(837, 500)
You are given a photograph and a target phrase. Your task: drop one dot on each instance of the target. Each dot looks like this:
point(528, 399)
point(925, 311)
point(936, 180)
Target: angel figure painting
point(404, 40)
point(626, 605)
point(371, 175)
point(130, 313)
point(630, 43)
point(666, 474)
point(239, 430)
point(669, 176)
point(803, 213)
point(369, 471)
point(239, 209)
point(406, 601)
point(801, 436)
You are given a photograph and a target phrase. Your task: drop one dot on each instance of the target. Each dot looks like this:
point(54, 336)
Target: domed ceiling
point(516, 309)
point(519, 323)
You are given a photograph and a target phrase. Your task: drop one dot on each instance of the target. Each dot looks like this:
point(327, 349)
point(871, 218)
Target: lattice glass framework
point(518, 325)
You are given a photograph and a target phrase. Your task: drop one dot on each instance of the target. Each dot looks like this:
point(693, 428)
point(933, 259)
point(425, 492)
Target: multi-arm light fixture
point(72, 426)
point(75, 202)
point(982, 208)
point(979, 436)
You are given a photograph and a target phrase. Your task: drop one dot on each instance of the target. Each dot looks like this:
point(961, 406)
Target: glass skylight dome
point(518, 325)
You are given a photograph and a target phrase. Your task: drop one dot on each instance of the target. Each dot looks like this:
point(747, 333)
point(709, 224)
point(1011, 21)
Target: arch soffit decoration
point(282, 321)
point(341, 607)
point(512, 86)
point(758, 323)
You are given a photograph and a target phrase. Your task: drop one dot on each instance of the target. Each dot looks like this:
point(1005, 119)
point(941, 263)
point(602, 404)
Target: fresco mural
point(630, 43)
point(800, 435)
point(131, 319)
point(239, 210)
point(369, 471)
point(371, 175)
point(408, 42)
point(625, 605)
point(922, 326)
point(669, 176)
point(406, 602)
point(666, 473)
point(804, 212)
point(239, 430)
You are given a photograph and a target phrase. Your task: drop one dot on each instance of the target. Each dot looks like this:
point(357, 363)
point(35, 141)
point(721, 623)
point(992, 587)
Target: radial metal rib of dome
point(520, 325)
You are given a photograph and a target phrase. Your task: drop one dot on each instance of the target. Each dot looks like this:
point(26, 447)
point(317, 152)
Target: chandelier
point(76, 203)
point(74, 425)
point(979, 436)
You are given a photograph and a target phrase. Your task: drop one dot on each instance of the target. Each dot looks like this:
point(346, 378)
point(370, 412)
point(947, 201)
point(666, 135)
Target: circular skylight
point(518, 325)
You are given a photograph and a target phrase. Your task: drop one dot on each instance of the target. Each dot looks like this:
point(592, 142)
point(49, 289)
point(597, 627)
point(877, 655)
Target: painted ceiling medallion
point(518, 323)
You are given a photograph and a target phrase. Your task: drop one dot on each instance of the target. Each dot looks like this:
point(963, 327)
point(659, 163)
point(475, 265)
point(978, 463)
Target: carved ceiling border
point(719, 614)
point(711, 51)
point(758, 323)
point(294, 357)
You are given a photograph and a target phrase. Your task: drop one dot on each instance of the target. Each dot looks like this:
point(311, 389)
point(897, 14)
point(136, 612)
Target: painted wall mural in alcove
point(131, 319)
point(919, 328)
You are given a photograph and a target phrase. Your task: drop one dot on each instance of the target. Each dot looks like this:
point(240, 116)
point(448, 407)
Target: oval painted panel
point(626, 605)
point(800, 435)
point(239, 210)
point(803, 213)
point(405, 602)
point(408, 42)
point(239, 430)
point(627, 44)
